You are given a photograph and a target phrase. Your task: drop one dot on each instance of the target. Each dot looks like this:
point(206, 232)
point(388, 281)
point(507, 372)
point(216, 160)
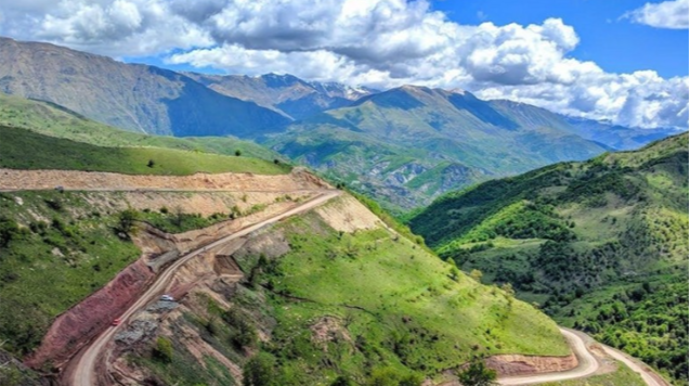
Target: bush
point(477, 374)
point(126, 220)
point(8, 231)
point(388, 376)
point(260, 370)
point(163, 350)
point(343, 381)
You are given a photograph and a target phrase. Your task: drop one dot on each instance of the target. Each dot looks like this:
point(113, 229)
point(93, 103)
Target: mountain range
point(404, 146)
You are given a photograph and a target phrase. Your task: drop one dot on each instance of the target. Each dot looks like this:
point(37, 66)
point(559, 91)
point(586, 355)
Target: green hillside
point(416, 143)
point(600, 245)
point(390, 306)
point(395, 310)
point(26, 149)
point(54, 120)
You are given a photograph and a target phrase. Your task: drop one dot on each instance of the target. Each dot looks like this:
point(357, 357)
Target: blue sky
point(615, 44)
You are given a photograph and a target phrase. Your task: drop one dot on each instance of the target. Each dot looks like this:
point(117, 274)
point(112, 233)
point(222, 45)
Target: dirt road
point(587, 366)
point(650, 377)
point(84, 371)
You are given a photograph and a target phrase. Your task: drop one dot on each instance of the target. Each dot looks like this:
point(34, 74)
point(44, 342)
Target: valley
point(166, 222)
point(265, 269)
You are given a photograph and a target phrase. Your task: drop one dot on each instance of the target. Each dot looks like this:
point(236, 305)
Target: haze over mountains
point(404, 146)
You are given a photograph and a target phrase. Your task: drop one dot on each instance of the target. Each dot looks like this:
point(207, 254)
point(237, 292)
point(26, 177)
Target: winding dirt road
point(84, 372)
point(587, 366)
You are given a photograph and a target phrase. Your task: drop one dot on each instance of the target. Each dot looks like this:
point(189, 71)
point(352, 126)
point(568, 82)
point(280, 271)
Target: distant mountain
point(600, 245)
point(294, 97)
point(615, 136)
point(410, 144)
point(403, 146)
point(130, 96)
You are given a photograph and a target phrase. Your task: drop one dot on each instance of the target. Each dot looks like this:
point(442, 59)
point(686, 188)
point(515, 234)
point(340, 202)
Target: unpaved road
point(84, 371)
point(587, 366)
point(650, 377)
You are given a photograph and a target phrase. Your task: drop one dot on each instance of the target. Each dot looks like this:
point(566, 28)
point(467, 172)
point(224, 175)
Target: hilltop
point(599, 245)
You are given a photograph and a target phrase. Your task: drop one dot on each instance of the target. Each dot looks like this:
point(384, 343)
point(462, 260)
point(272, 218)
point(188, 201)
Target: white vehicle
point(167, 298)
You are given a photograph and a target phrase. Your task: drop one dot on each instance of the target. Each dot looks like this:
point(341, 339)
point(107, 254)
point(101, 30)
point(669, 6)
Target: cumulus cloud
point(668, 14)
point(377, 43)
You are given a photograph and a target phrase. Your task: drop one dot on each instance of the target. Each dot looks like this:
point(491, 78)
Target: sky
point(623, 61)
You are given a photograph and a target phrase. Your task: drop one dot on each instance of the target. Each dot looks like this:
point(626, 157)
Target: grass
point(56, 153)
point(623, 376)
point(55, 121)
point(53, 264)
point(398, 303)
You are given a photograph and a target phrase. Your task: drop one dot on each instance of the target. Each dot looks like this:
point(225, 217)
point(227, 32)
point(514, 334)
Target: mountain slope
point(57, 153)
point(130, 96)
point(417, 143)
point(601, 245)
point(332, 286)
point(54, 120)
point(287, 94)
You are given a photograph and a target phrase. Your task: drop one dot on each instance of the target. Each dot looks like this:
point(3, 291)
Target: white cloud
point(668, 14)
point(378, 43)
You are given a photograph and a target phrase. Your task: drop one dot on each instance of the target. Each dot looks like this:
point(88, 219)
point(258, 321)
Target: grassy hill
point(26, 149)
point(600, 245)
point(57, 121)
point(388, 307)
point(393, 308)
point(416, 143)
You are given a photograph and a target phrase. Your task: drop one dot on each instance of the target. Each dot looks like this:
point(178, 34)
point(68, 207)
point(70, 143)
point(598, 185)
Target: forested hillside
point(600, 245)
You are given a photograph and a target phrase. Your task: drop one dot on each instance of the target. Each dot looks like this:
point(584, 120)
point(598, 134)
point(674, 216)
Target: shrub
point(343, 381)
point(163, 350)
point(260, 370)
point(477, 374)
point(8, 230)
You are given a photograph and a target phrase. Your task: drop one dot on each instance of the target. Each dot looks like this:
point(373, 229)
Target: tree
point(151, 163)
point(476, 275)
point(238, 152)
point(259, 371)
point(477, 374)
